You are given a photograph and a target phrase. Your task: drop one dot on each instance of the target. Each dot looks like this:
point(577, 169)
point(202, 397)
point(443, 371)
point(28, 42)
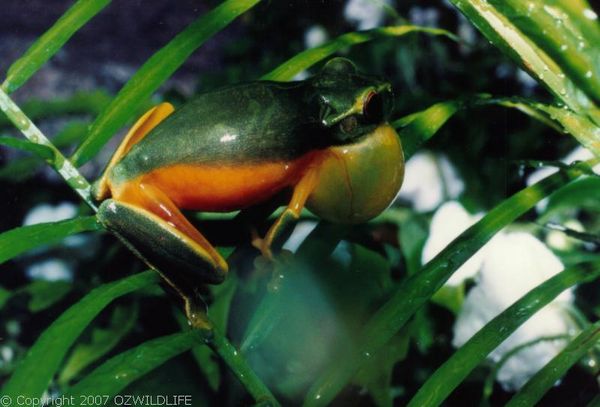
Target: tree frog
point(325, 139)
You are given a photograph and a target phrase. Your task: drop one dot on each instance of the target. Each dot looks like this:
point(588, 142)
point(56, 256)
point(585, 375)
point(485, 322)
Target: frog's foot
point(262, 245)
point(283, 226)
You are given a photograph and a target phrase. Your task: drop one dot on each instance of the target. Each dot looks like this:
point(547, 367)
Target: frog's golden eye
point(348, 125)
point(373, 108)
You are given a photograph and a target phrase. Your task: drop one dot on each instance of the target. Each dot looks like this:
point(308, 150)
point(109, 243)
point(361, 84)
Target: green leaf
point(218, 312)
point(447, 377)
point(118, 372)
point(39, 150)
point(412, 236)
point(586, 132)
point(309, 57)
point(79, 103)
point(32, 377)
point(154, 72)
point(543, 380)
point(417, 128)
point(376, 374)
point(20, 169)
point(581, 194)
point(51, 42)
point(4, 296)
point(24, 238)
point(44, 294)
point(102, 340)
point(506, 35)
point(417, 289)
point(562, 30)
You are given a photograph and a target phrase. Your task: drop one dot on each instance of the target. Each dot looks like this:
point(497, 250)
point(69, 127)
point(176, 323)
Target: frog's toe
point(161, 244)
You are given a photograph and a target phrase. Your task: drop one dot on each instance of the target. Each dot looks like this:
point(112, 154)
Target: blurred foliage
point(352, 317)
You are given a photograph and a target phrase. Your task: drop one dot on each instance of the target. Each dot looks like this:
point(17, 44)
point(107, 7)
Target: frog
point(324, 140)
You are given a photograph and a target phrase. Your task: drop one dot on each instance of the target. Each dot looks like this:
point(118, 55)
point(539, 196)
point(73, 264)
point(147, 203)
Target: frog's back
point(243, 124)
point(226, 149)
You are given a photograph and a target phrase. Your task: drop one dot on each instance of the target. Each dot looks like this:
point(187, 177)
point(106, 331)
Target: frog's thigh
point(276, 232)
point(138, 131)
point(150, 220)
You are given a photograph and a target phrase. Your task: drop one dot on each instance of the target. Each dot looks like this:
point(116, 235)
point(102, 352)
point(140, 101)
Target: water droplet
point(564, 47)
point(541, 76)
point(563, 91)
point(367, 355)
point(580, 45)
point(588, 74)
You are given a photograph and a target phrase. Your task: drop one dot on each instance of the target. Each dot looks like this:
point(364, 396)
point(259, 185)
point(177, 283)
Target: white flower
point(365, 14)
point(429, 180)
point(513, 264)
point(48, 213)
point(314, 36)
point(449, 221)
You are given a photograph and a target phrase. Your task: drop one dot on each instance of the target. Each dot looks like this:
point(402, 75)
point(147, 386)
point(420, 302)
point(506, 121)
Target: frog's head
point(350, 104)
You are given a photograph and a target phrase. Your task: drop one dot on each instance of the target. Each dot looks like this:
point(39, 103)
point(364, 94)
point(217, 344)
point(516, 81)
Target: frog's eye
point(348, 125)
point(373, 108)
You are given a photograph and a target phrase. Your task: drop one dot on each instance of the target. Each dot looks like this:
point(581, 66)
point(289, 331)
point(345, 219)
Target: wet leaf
point(118, 372)
point(304, 60)
point(446, 378)
point(31, 378)
point(24, 238)
point(51, 42)
point(416, 290)
point(543, 380)
point(101, 341)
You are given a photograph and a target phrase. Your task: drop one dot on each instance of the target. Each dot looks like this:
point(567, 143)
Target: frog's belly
point(222, 188)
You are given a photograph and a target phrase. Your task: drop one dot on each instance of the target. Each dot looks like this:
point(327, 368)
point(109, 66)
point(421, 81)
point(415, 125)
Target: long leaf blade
point(118, 372)
point(543, 380)
point(154, 72)
point(31, 378)
point(43, 152)
point(504, 34)
point(22, 239)
point(51, 42)
point(309, 57)
point(417, 128)
point(416, 290)
point(448, 376)
point(561, 29)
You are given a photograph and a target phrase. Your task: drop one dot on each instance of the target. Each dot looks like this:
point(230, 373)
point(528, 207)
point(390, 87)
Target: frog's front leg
point(291, 213)
point(150, 221)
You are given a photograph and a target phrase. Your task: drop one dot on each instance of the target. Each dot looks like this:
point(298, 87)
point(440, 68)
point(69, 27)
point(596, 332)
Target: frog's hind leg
point(282, 226)
point(149, 216)
point(140, 129)
point(155, 228)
